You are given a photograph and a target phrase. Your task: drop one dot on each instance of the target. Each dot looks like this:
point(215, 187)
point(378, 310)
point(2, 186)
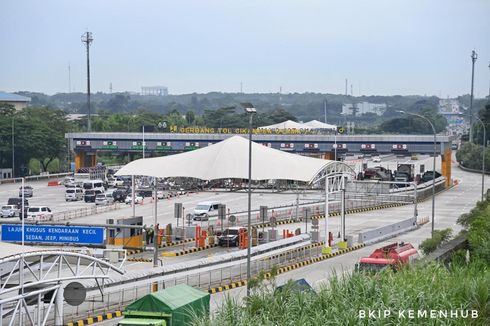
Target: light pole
point(474, 56)
point(13, 146)
point(250, 110)
point(143, 141)
point(434, 167)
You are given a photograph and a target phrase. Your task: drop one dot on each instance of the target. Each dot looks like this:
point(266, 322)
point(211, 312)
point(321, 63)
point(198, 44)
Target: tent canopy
point(229, 159)
point(289, 124)
point(315, 124)
point(166, 301)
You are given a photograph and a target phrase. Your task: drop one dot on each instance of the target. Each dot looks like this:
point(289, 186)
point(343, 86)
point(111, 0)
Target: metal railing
point(38, 177)
point(85, 211)
point(117, 299)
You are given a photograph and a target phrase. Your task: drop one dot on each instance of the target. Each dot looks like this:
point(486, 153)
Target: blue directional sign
point(53, 234)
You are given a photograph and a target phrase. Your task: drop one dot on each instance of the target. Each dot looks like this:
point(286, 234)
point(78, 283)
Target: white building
point(154, 90)
point(19, 102)
point(363, 108)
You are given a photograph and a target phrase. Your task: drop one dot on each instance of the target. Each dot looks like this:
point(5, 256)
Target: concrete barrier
point(387, 231)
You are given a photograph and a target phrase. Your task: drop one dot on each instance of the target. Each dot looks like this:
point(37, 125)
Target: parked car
point(427, 176)
point(402, 177)
point(120, 181)
point(229, 237)
point(111, 181)
point(104, 199)
point(39, 212)
point(28, 192)
point(376, 159)
point(9, 211)
point(137, 199)
point(18, 202)
point(69, 182)
point(204, 209)
point(89, 196)
point(73, 194)
point(120, 194)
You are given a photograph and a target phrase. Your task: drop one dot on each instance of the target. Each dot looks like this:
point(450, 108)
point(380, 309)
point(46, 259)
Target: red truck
point(393, 255)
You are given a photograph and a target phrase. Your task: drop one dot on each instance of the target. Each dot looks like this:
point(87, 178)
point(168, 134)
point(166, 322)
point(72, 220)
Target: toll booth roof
point(168, 301)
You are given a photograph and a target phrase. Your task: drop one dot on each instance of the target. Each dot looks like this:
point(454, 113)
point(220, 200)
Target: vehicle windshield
point(230, 232)
point(89, 192)
point(34, 209)
point(87, 185)
point(100, 196)
point(202, 208)
point(70, 191)
point(367, 267)
point(6, 207)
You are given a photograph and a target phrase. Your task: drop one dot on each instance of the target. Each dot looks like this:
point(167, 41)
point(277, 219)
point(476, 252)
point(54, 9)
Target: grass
point(424, 287)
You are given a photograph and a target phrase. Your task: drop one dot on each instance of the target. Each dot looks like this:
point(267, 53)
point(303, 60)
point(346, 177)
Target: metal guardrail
point(37, 177)
point(85, 211)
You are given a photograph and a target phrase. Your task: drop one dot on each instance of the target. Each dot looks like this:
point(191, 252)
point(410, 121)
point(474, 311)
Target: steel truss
point(41, 276)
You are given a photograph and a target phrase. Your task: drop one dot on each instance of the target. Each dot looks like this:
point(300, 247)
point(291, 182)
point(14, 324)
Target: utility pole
point(346, 86)
point(87, 39)
point(474, 56)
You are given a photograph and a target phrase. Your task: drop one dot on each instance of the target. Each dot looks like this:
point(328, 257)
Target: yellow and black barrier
point(176, 243)
point(141, 260)
point(95, 319)
point(188, 251)
point(313, 245)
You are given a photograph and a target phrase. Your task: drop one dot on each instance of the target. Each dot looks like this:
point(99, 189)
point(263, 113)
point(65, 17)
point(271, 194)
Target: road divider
point(285, 269)
point(187, 251)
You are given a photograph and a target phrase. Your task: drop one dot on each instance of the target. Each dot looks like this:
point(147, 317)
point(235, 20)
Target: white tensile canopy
point(289, 124)
point(315, 124)
point(229, 159)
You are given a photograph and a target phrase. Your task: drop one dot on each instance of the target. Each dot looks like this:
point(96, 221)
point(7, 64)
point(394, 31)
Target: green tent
point(179, 304)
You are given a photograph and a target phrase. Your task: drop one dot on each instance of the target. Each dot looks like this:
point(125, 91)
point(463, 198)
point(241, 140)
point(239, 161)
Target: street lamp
point(474, 56)
point(434, 167)
point(250, 110)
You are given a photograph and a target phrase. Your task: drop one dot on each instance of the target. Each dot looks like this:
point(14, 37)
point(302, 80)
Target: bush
point(438, 238)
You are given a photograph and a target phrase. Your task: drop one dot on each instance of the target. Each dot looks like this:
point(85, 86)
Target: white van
point(73, 194)
point(204, 209)
point(39, 213)
point(104, 199)
point(94, 185)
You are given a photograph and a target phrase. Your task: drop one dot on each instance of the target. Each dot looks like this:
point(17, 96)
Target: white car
point(9, 211)
point(39, 213)
point(69, 182)
point(104, 199)
point(376, 159)
point(137, 199)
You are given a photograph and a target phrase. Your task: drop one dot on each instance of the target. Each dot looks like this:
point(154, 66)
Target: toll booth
point(126, 237)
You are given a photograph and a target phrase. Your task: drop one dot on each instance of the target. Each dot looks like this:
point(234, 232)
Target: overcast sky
point(383, 47)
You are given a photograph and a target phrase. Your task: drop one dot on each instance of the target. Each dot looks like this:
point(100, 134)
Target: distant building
point(449, 106)
point(154, 90)
point(19, 102)
point(363, 108)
